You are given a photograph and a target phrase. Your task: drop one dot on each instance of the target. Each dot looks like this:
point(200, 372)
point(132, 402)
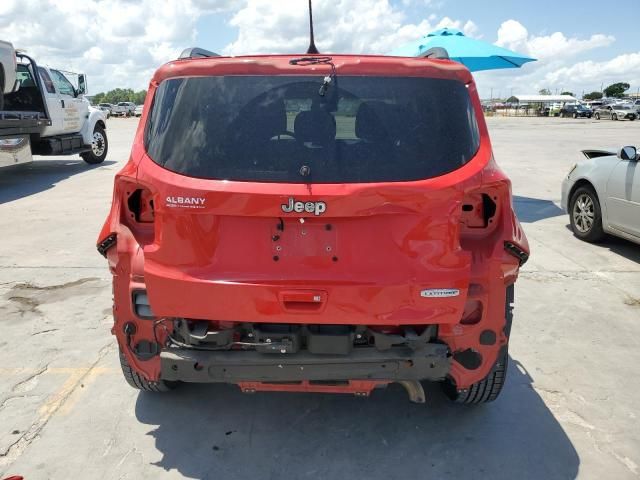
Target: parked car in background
point(602, 195)
point(8, 65)
point(575, 111)
point(616, 112)
point(138, 111)
point(106, 108)
point(124, 109)
point(554, 109)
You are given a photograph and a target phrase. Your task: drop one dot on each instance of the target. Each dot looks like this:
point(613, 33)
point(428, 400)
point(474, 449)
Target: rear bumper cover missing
point(432, 362)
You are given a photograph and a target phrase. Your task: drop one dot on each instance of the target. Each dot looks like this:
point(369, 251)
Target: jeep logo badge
point(317, 208)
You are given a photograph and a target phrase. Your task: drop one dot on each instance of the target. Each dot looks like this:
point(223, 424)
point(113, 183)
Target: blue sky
point(573, 18)
point(580, 44)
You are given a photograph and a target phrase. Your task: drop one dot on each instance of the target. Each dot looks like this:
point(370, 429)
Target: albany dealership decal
point(185, 202)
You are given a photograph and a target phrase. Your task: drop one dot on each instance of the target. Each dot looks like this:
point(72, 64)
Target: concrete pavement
point(568, 409)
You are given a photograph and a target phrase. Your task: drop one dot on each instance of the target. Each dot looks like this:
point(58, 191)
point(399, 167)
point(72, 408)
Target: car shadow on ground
point(529, 210)
point(624, 248)
point(23, 180)
point(215, 431)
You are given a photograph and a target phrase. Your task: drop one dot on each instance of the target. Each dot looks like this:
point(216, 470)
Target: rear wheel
point(1, 89)
point(487, 389)
point(597, 115)
point(138, 381)
point(585, 215)
point(99, 147)
point(614, 117)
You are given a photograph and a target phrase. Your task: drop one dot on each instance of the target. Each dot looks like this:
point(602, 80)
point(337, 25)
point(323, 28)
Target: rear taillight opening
point(140, 205)
point(138, 211)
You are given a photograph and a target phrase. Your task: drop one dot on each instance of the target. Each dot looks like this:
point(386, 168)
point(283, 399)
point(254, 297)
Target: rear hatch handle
point(303, 300)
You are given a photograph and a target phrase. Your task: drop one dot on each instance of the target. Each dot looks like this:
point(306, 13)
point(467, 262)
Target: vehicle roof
point(357, 65)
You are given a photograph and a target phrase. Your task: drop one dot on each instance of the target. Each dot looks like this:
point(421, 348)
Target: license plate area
point(308, 239)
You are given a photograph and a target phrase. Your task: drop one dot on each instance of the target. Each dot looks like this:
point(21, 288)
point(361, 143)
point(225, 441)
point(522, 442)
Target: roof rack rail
point(438, 53)
point(195, 52)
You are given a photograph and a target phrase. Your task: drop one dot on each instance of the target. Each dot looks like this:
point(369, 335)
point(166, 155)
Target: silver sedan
point(602, 195)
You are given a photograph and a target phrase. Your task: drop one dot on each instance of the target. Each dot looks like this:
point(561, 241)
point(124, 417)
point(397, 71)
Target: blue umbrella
point(474, 54)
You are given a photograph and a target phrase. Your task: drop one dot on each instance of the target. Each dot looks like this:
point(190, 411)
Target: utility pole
point(492, 93)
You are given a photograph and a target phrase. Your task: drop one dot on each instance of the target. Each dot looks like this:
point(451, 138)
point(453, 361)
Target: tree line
point(615, 90)
point(120, 95)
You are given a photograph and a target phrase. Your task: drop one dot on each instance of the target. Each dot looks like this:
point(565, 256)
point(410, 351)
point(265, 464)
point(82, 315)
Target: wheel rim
point(98, 144)
point(584, 213)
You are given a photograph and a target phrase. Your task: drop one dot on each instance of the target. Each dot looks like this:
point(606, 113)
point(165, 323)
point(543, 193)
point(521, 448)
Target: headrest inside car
point(315, 126)
point(375, 121)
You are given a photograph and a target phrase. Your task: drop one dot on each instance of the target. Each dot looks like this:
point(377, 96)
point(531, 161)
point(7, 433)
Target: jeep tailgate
point(383, 254)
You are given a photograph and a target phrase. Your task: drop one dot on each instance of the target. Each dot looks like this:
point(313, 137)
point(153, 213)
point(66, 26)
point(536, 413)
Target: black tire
point(1, 89)
point(614, 117)
point(597, 115)
point(581, 229)
point(139, 382)
point(489, 388)
point(575, 115)
point(99, 147)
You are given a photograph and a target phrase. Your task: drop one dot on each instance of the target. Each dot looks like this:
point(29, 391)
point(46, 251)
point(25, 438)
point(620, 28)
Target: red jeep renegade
point(313, 223)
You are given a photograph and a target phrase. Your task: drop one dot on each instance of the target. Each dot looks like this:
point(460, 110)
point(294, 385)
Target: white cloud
point(118, 43)
point(557, 67)
point(623, 68)
point(341, 26)
point(514, 36)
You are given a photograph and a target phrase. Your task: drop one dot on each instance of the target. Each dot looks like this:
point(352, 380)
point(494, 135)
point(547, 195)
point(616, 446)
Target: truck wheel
point(585, 215)
point(99, 147)
point(487, 389)
point(137, 381)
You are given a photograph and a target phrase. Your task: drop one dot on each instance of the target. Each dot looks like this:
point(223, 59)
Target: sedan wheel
point(614, 117)
point(597, 115)
point(585, 215)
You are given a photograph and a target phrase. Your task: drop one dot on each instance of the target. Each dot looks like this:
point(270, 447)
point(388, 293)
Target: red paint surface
point(391, 240)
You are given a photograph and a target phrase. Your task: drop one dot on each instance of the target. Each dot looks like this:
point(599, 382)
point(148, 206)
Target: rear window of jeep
point(282, 129)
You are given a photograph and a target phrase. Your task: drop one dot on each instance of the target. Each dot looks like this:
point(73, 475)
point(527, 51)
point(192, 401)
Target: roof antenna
point(312, 45)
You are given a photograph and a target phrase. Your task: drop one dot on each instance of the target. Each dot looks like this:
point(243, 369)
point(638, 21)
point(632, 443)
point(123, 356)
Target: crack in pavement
point(21, 384)
point(45, 331)
point(49, 409)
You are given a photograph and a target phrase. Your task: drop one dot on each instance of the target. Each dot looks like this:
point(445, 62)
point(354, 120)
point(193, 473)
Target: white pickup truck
point(8, 67)
point(50, 115)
